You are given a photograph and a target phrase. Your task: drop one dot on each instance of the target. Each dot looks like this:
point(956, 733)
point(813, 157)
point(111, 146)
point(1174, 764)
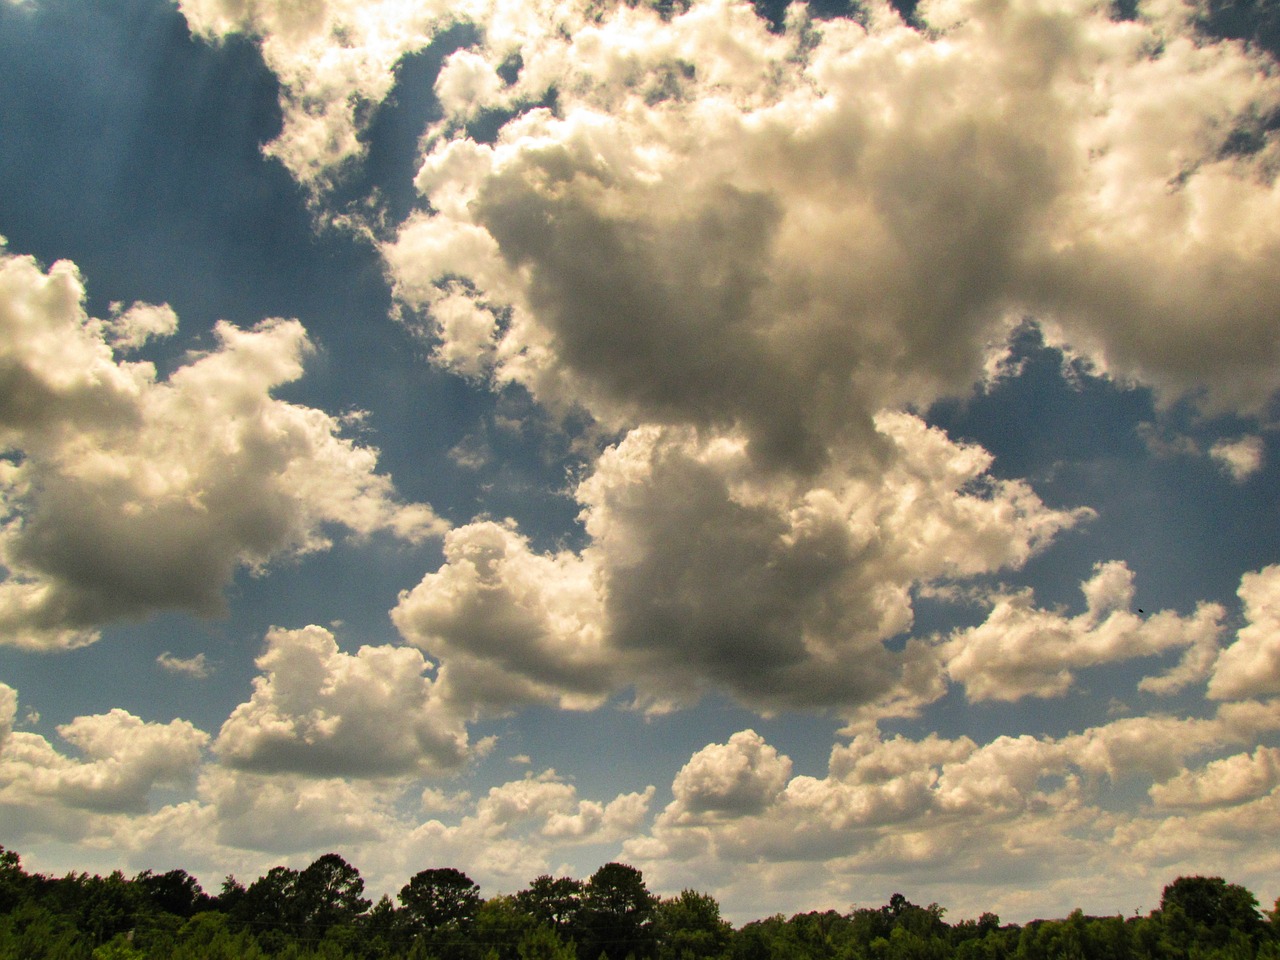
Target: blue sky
point(802, 452)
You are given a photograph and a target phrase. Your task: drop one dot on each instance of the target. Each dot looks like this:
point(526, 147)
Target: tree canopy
point(321, 913)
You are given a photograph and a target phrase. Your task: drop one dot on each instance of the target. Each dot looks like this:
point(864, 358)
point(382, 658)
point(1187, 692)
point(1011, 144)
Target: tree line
point(321, 913)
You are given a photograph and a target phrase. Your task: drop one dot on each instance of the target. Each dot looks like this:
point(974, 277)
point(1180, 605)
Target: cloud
point(740, 777)
point(124, 759)
point(197, 667)
point(1241, 458)
point(331, 56)
point(1021, 651)
point(703, 573)
point(944, 814)
point(1229, 781)
point(322, 713)
point(511, 626)
point(123, 493)
point(1250, 666)
point(8, 711)
point(513, 831)
point(747, 254)
point(288, 814)
point(723, 227)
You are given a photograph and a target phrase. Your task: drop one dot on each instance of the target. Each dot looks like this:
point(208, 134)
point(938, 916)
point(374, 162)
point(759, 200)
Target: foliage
point(321, 913)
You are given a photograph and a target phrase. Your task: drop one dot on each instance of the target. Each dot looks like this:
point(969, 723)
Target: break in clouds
point(746, 258)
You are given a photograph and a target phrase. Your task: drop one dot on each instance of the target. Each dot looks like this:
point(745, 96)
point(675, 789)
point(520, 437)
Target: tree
point(13, 880)
point(175, 892)
point(1207, 910)
point(269, 904)
point(328, 893)
point(553, 900)
point(689, 926)
point(441, 898)
point(617, 914)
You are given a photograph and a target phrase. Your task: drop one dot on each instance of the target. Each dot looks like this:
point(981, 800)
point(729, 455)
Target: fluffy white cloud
point(512, 833)
point(8, 711)
point(1231, 780)
point(510, 626)
point(917, 187)
point(744, 775)
point(1251, 665)
point(319, 712)
point(122, 759)
point(703, 572)
point(331, 56)
point(726, 227)
point(1020, 650)
point(943, 813)
point(122, 493)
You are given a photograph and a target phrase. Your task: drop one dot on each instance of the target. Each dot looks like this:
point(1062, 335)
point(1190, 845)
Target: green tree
point(553, 900)
point(541, 943)
point(617, 914)
point(1207, 911)
point(440, 898)
point(689, 927)
point(209, 936)
point(328, 893)
point(33, 932)
point(14, 883)
point(175, 892)
point(269, 907)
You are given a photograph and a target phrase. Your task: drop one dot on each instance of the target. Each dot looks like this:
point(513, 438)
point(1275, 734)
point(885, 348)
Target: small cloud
point(32, 717)
point(471, 453)
point(520, 758)
point(1240, 458)
point(131, 328)
point(197, 667)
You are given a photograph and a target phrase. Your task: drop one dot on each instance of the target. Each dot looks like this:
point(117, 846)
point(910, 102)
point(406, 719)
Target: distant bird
point(1140, 610)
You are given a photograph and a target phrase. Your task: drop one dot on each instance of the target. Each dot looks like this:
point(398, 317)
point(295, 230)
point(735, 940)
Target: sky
point(805, 452)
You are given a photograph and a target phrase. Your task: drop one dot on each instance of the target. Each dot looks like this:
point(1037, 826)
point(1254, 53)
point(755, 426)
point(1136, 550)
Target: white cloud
point(1231, 780)
point(1021, 651)
point(319, 712)
point(1241, 458)
point(1250, 666)
point(512, 832)
point(8, 711)
point(950, 817)
point(124, 759)
point(131, 328)
point(287, 814)
point(723, 228)
point(123, 494)
point(330, 55)
point(510, 626)
point(740, 777)
point(703, 572)
point(197, 667)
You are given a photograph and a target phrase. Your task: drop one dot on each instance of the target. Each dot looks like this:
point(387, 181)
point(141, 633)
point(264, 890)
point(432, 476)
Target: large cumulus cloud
point(717, 225)
point(745, 253)
point(124, 493)
point(703, 572)
point(319, 712)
